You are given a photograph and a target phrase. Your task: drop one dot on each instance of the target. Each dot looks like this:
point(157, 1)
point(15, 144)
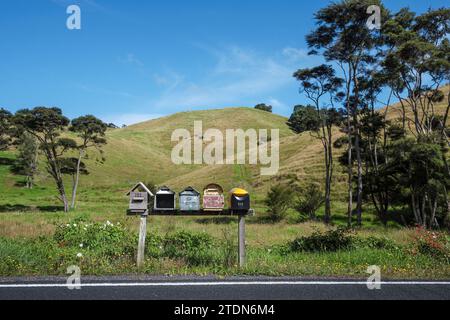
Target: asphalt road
point(195, 288)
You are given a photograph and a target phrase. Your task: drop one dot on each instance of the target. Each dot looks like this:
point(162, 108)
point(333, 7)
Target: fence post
point(141, 244)
point(241, 241)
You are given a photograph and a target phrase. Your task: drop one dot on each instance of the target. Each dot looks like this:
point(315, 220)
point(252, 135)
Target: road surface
point(206, 288)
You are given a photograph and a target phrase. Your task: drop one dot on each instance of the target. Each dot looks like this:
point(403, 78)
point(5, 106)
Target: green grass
point(195, 252)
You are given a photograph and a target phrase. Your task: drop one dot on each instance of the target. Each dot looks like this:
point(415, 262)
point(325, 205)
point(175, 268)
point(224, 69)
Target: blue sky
point(135, 60)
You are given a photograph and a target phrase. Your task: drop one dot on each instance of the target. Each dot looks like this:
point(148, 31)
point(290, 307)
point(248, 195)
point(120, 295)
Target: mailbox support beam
point(141, 244)
point(241, 236)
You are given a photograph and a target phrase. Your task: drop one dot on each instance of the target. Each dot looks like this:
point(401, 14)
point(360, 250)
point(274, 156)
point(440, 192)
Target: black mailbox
point(239, 200)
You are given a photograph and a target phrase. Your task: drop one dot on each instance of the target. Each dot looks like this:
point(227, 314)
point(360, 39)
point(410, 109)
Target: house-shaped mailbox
point(189, 199)
point(139, 197)
point(165, 199)
point(213, 199)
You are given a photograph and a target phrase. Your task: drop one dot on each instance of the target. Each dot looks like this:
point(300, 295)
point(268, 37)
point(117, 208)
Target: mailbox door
point(138, 201)
point(213, 202)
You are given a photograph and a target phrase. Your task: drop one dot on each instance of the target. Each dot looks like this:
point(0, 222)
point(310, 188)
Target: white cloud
point(295, 54)
point(129, 118)
point(238, 75)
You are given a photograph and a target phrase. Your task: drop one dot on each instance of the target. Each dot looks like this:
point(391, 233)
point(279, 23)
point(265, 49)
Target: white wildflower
point(81, 245)
point(79, 255)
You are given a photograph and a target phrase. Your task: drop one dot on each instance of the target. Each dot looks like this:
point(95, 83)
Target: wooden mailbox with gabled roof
point(139, 197)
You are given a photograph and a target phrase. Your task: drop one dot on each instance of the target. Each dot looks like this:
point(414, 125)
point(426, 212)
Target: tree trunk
point(329, 176)
point(360, 182)
point(77, 179)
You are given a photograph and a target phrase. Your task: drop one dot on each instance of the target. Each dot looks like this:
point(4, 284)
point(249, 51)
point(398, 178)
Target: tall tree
point(418, 62)
point(46, 125)
point(91, 131)
point(320, 85)
point(342, 36)
point(27, 159)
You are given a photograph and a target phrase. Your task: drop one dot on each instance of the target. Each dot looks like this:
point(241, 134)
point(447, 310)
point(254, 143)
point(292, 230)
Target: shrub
point(330, 240)
point(376, 243)
point(229, 249)
point(309, 200)
point(109, 239)
point(278, 201)
point(194, 248)
point(264, 107)
point(431, 243)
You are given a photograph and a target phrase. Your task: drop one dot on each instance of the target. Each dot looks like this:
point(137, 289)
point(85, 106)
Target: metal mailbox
point(189, 200)
point(165, 199)
point(213, 199)
point(239, 200)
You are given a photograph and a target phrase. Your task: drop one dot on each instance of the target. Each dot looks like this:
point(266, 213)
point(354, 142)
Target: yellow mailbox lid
point(239, 192)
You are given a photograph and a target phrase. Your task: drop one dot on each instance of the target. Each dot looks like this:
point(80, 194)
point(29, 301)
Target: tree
point(91, 131)
point(264, 107)
point(278, 200)
point(418, 168)
point(27, 159)
point(344, 38)
point(74, 168)
point(5, 128)
point(46, 125)
point(320, 83)
point(304, 118)
point(418, 63)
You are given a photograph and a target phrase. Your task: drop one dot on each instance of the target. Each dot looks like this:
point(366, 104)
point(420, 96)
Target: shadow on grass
point(6, 161)
point(216, 220)
point(6, 208)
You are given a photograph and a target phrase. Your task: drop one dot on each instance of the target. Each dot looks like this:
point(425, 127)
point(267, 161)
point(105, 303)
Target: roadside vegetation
point(110, 248)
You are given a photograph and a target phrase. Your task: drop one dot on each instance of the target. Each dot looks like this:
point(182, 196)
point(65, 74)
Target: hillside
point(142, 152)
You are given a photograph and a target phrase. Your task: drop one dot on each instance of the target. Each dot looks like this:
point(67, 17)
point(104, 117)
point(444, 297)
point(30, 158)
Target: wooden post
point(241, 241)
point(141, 245)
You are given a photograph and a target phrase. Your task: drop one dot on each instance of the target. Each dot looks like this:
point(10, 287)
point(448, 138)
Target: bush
point(431, 243)
point(376, 243)
point(331, 240)
point(264, 107)
point(109, 239)
point(194, 248)
point(309, 200)
point(229, 249)
point(278, 201)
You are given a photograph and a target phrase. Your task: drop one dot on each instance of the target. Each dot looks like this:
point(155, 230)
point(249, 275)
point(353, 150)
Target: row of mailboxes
point(189, 199)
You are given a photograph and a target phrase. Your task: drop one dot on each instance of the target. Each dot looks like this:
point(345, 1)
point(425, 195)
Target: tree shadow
point(4, 208)
point(50, 208)
point(7, 208)
point(216, 220)
point(6, 161)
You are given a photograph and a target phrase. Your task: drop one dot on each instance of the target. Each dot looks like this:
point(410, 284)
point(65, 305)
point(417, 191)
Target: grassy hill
point(142, 152)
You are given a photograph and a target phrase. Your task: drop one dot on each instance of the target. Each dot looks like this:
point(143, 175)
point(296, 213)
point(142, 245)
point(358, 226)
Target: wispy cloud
point(130, 58)
point(295, 54)
point(238, 75)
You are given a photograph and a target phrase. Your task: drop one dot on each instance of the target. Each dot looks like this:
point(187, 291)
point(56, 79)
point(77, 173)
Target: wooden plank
point(225, 213)
point(241, 237)
point(141, 244)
